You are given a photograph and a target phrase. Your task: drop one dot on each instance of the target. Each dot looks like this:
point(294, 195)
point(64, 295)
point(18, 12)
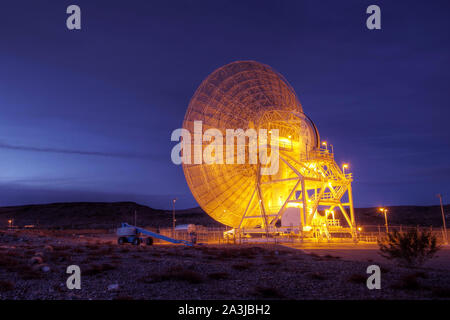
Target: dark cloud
point(4, 145)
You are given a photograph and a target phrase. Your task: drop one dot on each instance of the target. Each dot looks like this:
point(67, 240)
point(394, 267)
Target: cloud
point(4, 145)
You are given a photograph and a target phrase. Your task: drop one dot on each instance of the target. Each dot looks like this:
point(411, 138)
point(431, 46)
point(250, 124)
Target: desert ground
point(33, 266)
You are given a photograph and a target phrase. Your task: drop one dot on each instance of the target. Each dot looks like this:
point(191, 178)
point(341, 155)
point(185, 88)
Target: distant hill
point(404, 215)
point(86, 215)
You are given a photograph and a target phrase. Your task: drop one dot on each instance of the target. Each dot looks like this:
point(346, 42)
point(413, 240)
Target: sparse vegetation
point(219, 275)
point(408, 282)
point(242, 266)
point(95, 269)
point(6, 286)
point(242, 271)
point(28, 273)
point(410, 248)
point(357, 278)
point(177, 273)
point(268, 293)
point(330, 257)
point(317, 276)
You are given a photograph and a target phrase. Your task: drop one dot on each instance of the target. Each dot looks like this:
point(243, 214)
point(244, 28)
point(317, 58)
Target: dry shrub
point(38, 267)
point(419, 274)
point(93, 246)
point(176, 274)
point(410, 248)
point(105, 250)
point(384, 269)
point(62, 248)
point(95, 269)
point(357, 278)
point(235, 253)
point(250, 252)
point(6, 286)
point(317, 276)
point(115, 257)
point(28, 273)
point(315, 256)
point(29, 252)
point(61, 256)
point(9, 263)
point(219, 275)
point(268, 293)
point(16, 254)
point(297, 257)
point(242, 266)
point(36, 260)
point(408, 282)
point(273, 262)
point(330, 257)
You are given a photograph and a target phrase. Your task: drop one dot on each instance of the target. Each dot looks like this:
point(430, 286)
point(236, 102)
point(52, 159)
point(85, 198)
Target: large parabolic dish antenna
point(244, 95)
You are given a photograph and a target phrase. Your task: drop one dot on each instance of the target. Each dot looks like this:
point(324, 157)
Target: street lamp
point(324, 143)
point(384, 210)
point(173, 216)
point(344, 166)
point(10, 222)
point(443, 219)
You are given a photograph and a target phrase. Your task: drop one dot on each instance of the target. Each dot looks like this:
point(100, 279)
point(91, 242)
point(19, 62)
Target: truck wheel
point(149, 241)
point(121, 240)
point(136, 241)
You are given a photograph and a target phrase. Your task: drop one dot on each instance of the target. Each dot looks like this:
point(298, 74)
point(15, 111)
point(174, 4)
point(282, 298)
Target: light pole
point(324, 143)
point(173, 216)
point(384, 210)
point(443, 218)
point(344, 166)
point(10, 222)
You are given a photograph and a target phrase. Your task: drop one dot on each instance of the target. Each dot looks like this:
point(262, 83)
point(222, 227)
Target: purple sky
point(87, 115)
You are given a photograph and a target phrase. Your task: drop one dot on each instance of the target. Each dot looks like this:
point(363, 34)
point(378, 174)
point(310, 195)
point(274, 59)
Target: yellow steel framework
point(250, 95)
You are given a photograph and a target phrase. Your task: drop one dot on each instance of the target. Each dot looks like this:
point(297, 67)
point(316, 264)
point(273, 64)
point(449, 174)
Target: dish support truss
point(315, 181)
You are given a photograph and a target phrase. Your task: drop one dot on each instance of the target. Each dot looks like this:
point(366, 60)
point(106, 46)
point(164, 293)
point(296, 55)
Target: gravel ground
point(33, 266)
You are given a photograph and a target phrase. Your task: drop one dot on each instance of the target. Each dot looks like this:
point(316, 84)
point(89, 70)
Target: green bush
point(410, 248)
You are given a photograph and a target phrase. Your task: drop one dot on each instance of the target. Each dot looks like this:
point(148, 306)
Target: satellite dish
point(250, 95)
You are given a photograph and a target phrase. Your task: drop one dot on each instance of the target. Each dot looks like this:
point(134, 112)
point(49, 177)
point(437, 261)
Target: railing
point(203, 234)
point(325, 196)
point(317, 155)
point(333, 223)
point(368, 233)
point(375, 233)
